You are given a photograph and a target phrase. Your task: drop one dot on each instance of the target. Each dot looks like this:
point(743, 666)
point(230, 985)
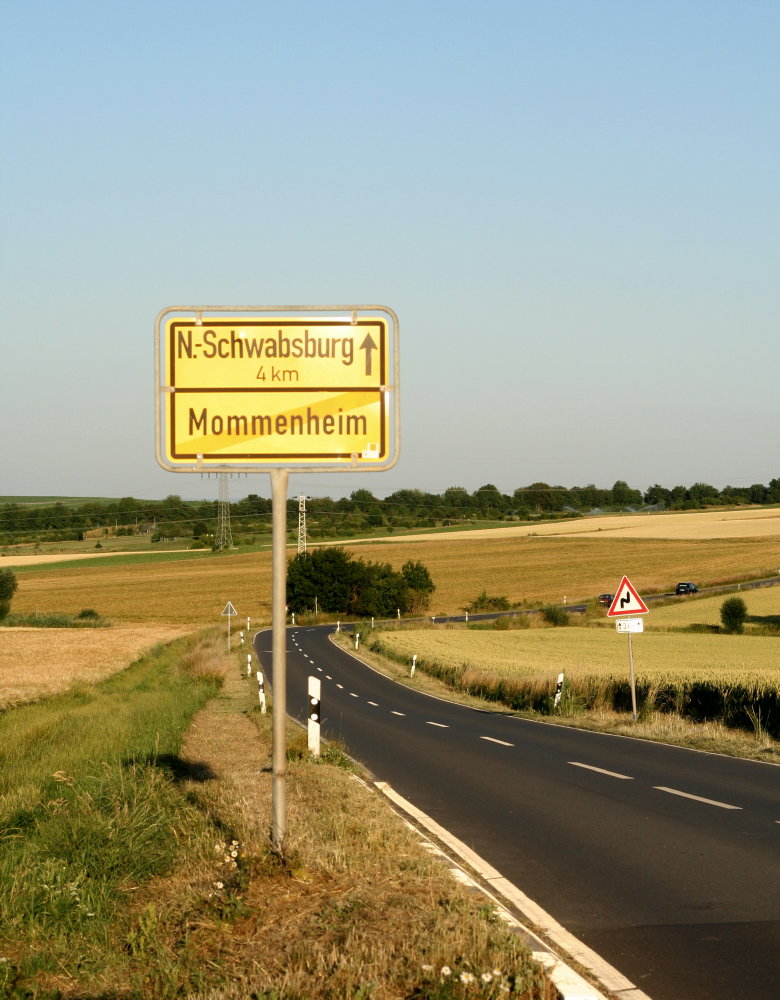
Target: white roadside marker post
point(558, 690)
point(261, 692)
point(357, 639)
point(315, 715)
point(249, 664)
point(414, 664)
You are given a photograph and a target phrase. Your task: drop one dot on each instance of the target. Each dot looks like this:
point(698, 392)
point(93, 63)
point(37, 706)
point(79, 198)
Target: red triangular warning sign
point(626, 601)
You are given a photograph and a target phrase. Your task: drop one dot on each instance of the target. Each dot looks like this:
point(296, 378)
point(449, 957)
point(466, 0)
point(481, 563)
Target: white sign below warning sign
point(627, 601)
point(630, 625)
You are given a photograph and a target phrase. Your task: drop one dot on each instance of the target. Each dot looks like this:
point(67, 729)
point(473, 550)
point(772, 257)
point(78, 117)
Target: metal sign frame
point(376, 388)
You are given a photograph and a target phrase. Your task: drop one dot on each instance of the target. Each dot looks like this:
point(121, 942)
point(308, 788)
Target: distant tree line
point(174, 517)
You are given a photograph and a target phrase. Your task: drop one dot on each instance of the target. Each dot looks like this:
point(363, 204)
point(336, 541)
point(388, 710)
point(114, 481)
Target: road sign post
point(628, 602)
point(229, 613)
point(268, 389)
point(279, 646)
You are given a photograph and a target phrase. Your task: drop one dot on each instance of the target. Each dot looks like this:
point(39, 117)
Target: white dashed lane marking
point(696, 798)
point(492, 739)
point(600, 770)
point(403, 714)
point(439, 725)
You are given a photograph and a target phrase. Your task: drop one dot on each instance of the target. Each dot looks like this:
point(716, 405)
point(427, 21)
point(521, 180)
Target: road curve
point(664, 861)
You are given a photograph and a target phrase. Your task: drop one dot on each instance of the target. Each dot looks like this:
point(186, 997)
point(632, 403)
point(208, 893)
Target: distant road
point(664, 861)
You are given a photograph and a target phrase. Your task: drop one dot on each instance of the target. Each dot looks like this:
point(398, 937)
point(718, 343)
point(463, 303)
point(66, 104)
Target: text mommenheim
point(308, 424)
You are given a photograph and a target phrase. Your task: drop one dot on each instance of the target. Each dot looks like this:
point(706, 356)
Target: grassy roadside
point(136, 864)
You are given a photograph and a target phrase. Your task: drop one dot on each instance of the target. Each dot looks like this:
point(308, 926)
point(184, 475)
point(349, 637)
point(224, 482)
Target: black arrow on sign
point(368, 346)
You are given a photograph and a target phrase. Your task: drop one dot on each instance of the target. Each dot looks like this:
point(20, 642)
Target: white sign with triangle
point(229, 611)
point(627, 601)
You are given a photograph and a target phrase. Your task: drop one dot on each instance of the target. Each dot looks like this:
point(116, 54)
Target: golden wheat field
point(38, 662)
point(534, 569)
point(538, 654)
point(676, 524)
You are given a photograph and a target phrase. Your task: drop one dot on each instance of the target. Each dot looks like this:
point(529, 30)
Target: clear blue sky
point(572, 207)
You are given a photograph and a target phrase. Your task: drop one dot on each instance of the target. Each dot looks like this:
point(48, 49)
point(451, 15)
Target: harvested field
point(537, 570)
point(35, 663)
point(752, 523)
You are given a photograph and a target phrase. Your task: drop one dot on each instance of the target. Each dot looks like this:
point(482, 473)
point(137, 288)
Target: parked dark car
point(606, 599)
point(686, 588)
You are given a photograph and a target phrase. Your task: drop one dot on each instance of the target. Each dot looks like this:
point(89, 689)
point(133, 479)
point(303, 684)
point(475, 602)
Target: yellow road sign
point(277, 390)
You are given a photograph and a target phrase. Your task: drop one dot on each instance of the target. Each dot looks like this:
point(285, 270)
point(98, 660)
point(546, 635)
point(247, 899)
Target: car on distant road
point(606, 599)
point(686, 588)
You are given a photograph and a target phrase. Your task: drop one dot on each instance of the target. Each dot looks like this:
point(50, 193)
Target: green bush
point(487, 602)
point(8, 586)
point(554, 614)
point(733, 613)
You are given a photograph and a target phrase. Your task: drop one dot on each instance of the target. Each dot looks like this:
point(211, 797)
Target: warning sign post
point(628, 602)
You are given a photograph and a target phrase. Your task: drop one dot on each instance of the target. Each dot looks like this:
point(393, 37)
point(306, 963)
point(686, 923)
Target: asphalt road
point(664, 861)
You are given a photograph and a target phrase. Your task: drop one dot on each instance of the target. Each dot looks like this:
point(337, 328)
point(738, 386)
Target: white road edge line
point(491, 739)
point(610, 977)
point(600, 770)
point(696, 798)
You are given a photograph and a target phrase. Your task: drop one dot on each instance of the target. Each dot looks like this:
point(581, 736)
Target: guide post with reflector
point(314, 716)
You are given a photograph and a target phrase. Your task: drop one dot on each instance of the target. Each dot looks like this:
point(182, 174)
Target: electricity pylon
point(224, 539)
point(302, 523)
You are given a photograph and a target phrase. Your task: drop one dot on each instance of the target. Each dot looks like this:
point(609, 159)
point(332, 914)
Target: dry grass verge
point(356, 907)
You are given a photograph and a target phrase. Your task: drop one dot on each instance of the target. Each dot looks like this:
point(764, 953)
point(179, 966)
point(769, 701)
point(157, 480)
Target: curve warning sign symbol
point(626, 601)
